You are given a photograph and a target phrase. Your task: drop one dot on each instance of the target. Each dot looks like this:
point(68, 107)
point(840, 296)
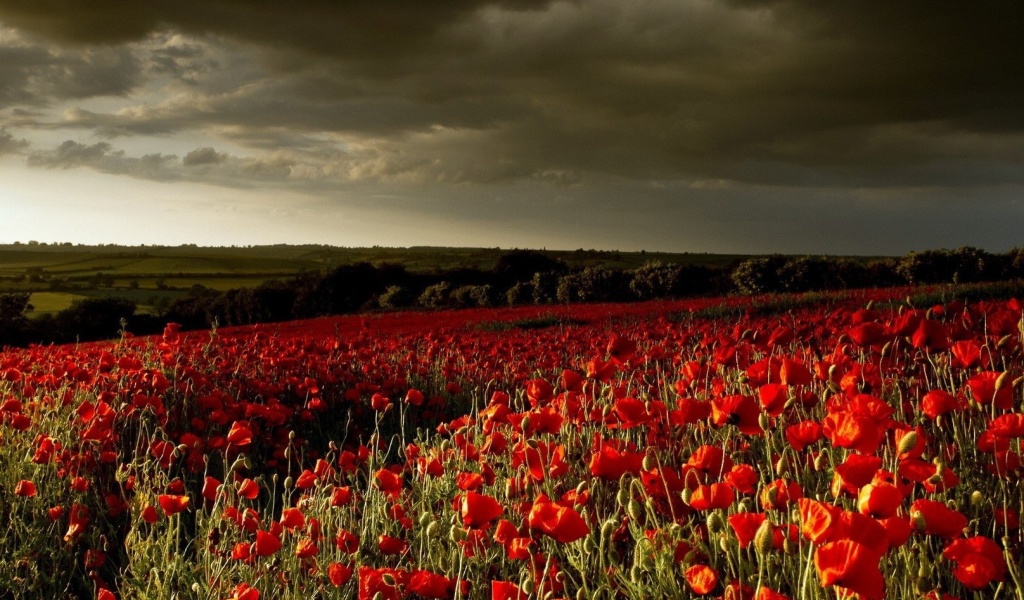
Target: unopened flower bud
point(907, 443)
point(764, 539)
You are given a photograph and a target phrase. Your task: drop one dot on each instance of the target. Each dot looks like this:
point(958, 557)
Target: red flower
point(306, 548)
point(505, 590)
point(392, 545)
point(741, 411)
point(562, 523)
point(240, 434)
point(608, 463)
point(709, 497)
point(25, 489)
point(339, 574)
point(701, 578)
point(266, 543)
point(879, 500)
point(244, 591)
point(248, 489)
point(386, 582)
point(935, 518)
point(979, 561)
point(851, 566)
point(745, 525)
point(478, 510)
point(173, 505)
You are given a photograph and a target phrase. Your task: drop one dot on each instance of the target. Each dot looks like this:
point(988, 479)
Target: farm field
point(58, 274)
point(824, 446)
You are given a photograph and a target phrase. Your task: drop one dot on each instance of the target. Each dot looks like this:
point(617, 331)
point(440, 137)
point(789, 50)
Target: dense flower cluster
point(636, 451)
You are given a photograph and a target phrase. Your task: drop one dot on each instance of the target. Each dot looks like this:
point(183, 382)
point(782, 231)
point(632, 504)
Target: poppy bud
point(525, 424)
point(635, 511)
point(1003, 378)
point(1003, 341)
point(291, 436)
point(456, 534)
point(622, 497)
point(782, 467)
point(764, 420)
point(789, 546)
point(650, 461)
point(379, 595)
point(918, 520)
point(977, 498)
point(886, 349)
point(907, 442)
point(582, 488)
point(608, 528)
point(289, 483)
point(726, 543)
point(431, 530)
point(686, 494)
point(715, 522)
point(764, 539)
point(589, 545)
point(819, 461)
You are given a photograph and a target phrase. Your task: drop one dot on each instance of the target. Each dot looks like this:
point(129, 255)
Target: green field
point(58, 274)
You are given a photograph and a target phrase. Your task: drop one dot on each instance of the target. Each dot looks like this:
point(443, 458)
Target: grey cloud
point(203, 156)
point(9, 144)
point(785, 92)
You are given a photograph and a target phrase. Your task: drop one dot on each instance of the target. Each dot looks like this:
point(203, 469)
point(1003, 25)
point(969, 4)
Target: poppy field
point(853, 445)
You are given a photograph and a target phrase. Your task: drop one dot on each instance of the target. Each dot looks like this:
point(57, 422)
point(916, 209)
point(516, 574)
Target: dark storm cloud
point(786, 93)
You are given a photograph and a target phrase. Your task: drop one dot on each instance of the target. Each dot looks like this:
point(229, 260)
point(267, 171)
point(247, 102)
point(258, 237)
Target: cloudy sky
point(800, 126)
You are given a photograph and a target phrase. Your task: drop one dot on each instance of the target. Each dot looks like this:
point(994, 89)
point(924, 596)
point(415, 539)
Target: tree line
point(519, 277)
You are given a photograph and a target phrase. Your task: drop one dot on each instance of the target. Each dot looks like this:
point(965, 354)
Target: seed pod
point(650, 461)
point(1003, 379)
point(635, 510)
point(918, 520)
point(456, 534)
point(715, 522)
point(907, 443)
point(764, 539)
point(608, 528)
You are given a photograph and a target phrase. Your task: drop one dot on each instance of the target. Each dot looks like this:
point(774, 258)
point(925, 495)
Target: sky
point(729, 126)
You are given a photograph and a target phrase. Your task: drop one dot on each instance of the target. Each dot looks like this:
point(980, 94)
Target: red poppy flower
point(506, 590)
point(248, 489)
point(25, 489)
point(386, 582)
point(938, 402)
point(392, 545)
point(803, 434)
point(851, 566)
point(211, 485)
point(244, 591)
point(738, 410)
point(560, 522)
point(173, 505)
point(743, 478)
point(292, 518)
point(608, 463)
point(879, 500)
point(702, 579)
point(937, 519)
point(478, 510)
point(240, 434)
point(745, 525)
point(339, 574)
point(266, 543)
point(979, 561)
point(710, 497)
point(306, 548)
